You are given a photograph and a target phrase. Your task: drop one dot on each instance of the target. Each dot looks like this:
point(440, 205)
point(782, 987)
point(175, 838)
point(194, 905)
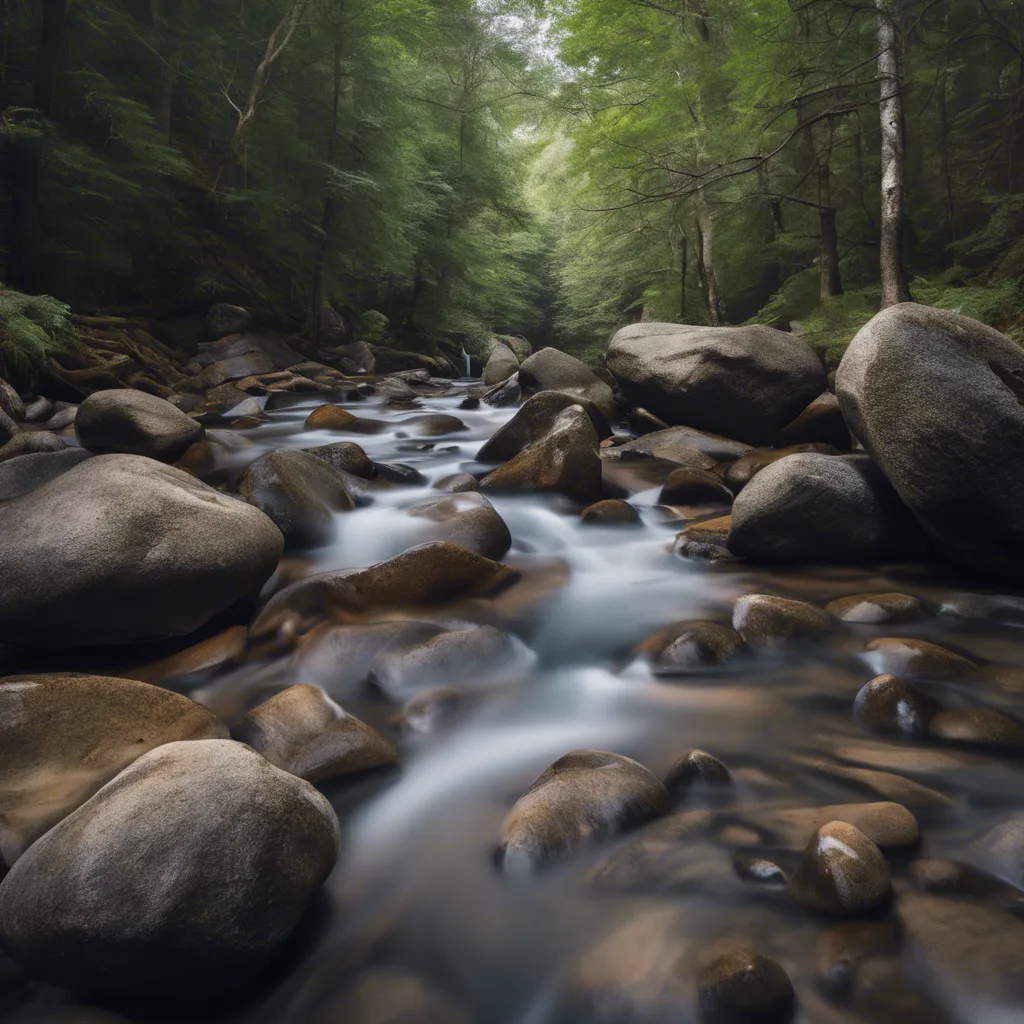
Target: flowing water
point(416, 888)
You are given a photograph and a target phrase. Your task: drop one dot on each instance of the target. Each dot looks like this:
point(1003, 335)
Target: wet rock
point(705, 540)
point(146, 549)
point(844, 951)
point(744, 986)
point(842, 872)
point(696, 768)
point(223, 319)
point(387, 995)
point(8, 427)
point(694, 487)
point(399, 474)
point(504, 395)
point(641, 421)
point(822, 508)
point(970, 957)
point(27, 472)
point(473, 658)
point(430, 710)
point(553, 370)
point(205, 656)
point(536, 419)
point(743, 382)
point(744, 469)
point(759, 871)
point(303, 731)
point(501, 365)
point(889, 705)
point(677, 444)
point(425, 575)
point(951, 878)
point(879, 609)
point(467, 519)
point(347, 457)
point(65, 736)
point(470, 403)
point(908, 362)
point(10, 402)
point(224, 399)
point(436, 425)
point(689, 647)
point(1001, 848)
point(62, 418)
point(300, 493)
point(238, 847)
point(888, 825)
point(584, 798)
point(979, 727)
point(31, 443)
point(639, 972)
point(330, 417)
point(39, 410)
point(457, 483)
point(763, 620)
point(918, 659)
point(885, 785)
point(612, 512)
point(820, 423)
point(134, 423)
point(564, 461)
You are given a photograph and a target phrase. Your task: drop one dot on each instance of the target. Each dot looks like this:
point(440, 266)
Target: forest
point(555, 169)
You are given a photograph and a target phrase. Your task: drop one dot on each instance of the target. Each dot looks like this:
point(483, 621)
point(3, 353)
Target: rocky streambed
point(451, 701)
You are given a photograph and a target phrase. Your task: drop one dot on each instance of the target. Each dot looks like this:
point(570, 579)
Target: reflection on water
point(416, 890)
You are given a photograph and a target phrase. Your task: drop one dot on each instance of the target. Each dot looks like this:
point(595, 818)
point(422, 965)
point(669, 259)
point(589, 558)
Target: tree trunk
point(947, 174)
point(831, 281)
point(169, 49)
point(706, 258)
point(52, 38)
point(890, 72)
point(684, 261)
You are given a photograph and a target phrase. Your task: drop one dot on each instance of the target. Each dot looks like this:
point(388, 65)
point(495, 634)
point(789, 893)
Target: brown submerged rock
point(584, 798)
point(884, 785)
point(330, 417)
point(888, 825)
point(696, 768)
point(745, 987)
point(388, 995)
point(65, 736)
point(302, 731)
point(299, 493)
point(181, 877)
point(425, 575)
point(611, 512)
point(879, 609)
point(467, 519)
point(983, 728)
point(919, 659)
point(689, 647)
point(842, 872)
point(564, 461)
point(430, 710)
point(457, 483)
point(695, 448)
point(347, 457)
point(694, 487)
point(218, 650)
point(887, 704)
point(134, 423)
point(763, 620)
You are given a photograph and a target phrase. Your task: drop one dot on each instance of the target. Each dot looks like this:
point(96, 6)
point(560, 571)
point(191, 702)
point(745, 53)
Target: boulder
point(764, 620)
point(879, 609)
point(888, 825)
point(564, 461)
point(688, 447)
point(919, 659)
point(612, 512)
point(503, 395)
point(24, 474)
point(890, 705)
point(146, 551)
point(536, 419)
point(694, 487)
point(11, 403)
point(468, 520)
point(134, 423)
point(65, 736)
point(39, 410)
point(745, 468)
point(457, 483)
point(689, 647)
point(584, 798)
point(223, 319)
point(500, 366)
point(842, 873)
point(179, 878)
point(821, 508)
point(303, 731)
point(330, 417)
point(743, 382)
point(983, 728)
point(743, 986)
point(347, 457)
point(31, 442)
point(820, 423)
point(937, 399)
point(553, 370)
point(300, 493)
point(425, 575)
point(8, 427)
point(696, 768)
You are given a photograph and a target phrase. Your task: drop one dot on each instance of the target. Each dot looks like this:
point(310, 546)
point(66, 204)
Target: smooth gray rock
point(145, 551)
point(31, 442)
point(937, 399)
point(746, 383)
point(466, 519)
point(534, 421)
point(500, 366)
point(181, 877)
point(553, 370)
point(135, 423)
point(24, 474)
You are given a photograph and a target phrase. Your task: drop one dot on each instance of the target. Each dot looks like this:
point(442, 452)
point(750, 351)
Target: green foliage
point(32, 327)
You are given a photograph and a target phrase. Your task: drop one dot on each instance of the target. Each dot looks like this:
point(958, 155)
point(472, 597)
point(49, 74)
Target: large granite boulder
point(121, 548)
point(135, 423)
point(747, 383)
point(500, 366)
point(938, 401)
point(65, 736)
point(181, 877)
point(822, 508)
point(535, 420)
point(553, 370)
point(24, 474)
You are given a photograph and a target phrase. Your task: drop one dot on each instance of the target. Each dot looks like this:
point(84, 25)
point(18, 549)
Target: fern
point(32, 328)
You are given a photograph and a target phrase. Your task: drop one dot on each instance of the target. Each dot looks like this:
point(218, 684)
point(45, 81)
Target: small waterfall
point(469, 367)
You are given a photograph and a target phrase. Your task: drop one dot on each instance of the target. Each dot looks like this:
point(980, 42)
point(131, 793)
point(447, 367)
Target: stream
point(416, 894)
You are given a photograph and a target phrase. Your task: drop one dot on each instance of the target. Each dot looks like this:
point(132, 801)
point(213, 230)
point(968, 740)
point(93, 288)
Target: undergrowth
point(32, 327)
